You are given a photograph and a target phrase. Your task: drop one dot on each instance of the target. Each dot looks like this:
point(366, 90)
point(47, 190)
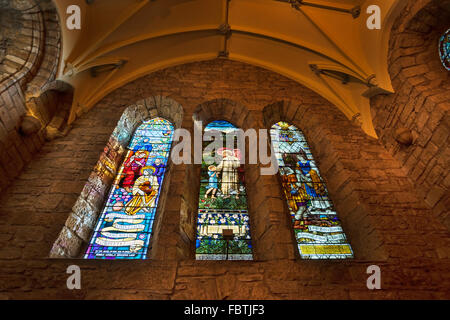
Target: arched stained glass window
point(317, 228)
point(125, 225)
point(444, 49)
point(223, 231)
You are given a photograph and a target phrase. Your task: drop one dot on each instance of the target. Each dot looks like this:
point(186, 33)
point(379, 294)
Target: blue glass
point(223, 202)
point(317, 228)
point(125, 225)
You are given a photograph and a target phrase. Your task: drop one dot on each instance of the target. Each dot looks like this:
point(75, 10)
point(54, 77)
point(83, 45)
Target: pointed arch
point(317, 228)
point(76, 234)
point(126, 222)
point(223, 222)
point(444, 49)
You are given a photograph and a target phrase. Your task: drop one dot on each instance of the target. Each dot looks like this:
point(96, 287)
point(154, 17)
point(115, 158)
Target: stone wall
point(29, 56)
point(421, 103)
point(384, 219)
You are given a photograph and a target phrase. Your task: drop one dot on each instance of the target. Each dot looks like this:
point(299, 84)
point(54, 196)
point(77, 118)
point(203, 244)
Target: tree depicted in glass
point(317, 229)
point(223, 229)
point(125, 225)
point(444, 49)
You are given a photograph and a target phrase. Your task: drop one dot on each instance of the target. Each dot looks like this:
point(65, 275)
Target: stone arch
point(30, 40)
point(413, 123)
point(240, 116)
point(324, 129)
point(36, 25)
point(225, 109)
point(79, 226)
point(17, 64)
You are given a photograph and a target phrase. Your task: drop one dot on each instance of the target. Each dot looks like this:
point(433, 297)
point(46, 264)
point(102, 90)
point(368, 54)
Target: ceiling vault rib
point(341, 76)
point(296, 4)
point(292, 44)
point(225, 29)
point(108, 49)
point(345, 106)
point(95, 71)
point(361, 72)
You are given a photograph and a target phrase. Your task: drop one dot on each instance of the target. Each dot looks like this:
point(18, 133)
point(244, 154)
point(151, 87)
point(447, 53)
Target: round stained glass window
point(444, 49)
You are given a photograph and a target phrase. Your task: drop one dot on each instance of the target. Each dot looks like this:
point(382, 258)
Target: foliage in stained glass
point(125, 225)
point(223, 230)
point(317, 228)
point(444, 49)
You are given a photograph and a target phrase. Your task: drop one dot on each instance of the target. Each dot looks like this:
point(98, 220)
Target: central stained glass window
point(317, 228)
point(125, 225)
point(223, 230)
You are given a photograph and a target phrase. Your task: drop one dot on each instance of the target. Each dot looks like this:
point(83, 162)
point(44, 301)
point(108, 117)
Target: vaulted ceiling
point(331, 52)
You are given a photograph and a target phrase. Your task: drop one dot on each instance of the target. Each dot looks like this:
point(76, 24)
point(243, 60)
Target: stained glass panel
point(223, 229)
point(317, 228)
point(444, 49)
point(125, 225)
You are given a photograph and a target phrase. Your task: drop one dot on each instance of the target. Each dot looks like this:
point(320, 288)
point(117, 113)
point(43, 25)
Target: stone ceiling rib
point(116, 29)
point(103, 28)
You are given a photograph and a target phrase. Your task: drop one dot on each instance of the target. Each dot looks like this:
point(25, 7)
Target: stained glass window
point(444, 49)
point(317, 228)
point(223, 229)
point(125, 225)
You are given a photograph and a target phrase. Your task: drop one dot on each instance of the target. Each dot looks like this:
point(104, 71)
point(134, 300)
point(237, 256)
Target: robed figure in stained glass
point(125, 225)
point(212, 186)
point(132, 168)
point(316, 226)
point(145, 190)
point(227, 169)
point(222, 205)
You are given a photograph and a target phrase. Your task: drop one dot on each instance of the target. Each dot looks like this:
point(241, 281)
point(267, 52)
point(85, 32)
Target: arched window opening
point(444, 49)
point(223, 231)
point(125, 225)
point(317, 229)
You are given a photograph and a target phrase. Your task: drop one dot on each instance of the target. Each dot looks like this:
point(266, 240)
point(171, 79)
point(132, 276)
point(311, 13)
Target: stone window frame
point(286, 208)
point(353, 210)
point(271, 229)
point(249, 210)
point(77, 231)
point(240, 116)
point(441, 42)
